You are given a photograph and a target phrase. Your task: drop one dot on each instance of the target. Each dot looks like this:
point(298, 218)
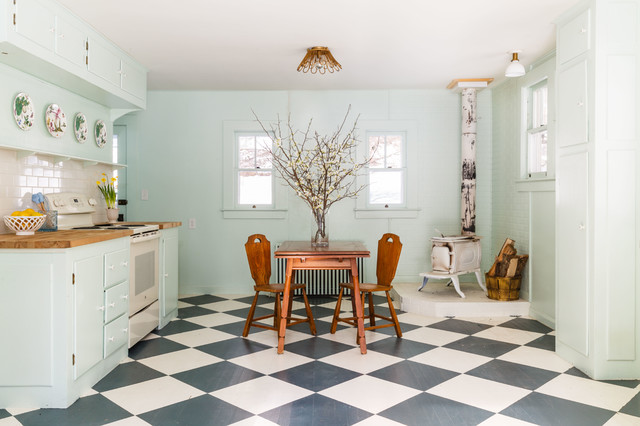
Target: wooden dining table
point(337, 255)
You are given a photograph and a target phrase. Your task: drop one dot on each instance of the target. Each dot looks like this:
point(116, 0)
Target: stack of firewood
point(508, 263)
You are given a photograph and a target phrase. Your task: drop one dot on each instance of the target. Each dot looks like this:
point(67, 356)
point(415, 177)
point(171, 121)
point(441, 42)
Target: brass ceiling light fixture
point(319, 60)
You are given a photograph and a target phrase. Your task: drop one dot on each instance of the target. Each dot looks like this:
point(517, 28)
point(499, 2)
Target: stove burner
point(87, 227)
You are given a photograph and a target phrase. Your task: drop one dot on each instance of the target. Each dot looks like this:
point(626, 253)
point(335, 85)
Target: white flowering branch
point(320, 169)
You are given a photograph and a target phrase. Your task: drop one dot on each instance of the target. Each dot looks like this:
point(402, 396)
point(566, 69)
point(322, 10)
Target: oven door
point(143, 271)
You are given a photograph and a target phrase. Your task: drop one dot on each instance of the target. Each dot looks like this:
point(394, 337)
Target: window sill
point(386, 214)
point(254, 214)
point(547, 184)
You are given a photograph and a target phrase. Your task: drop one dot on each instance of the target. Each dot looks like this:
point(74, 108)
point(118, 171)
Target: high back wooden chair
point(258, 250)
point(389, 248)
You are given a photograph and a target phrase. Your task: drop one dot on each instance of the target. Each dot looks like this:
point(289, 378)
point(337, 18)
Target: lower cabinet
point(64, 326)
point(168, 275)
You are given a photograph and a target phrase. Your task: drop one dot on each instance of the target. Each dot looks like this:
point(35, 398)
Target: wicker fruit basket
point(24, 225)
point(503, 288)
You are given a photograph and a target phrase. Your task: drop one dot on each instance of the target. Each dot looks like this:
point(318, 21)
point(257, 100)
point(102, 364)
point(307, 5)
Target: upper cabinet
point(44, 39)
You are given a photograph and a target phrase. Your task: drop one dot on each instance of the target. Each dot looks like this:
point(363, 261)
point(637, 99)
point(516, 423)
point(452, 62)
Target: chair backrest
point(258, 250)
point(389, 248)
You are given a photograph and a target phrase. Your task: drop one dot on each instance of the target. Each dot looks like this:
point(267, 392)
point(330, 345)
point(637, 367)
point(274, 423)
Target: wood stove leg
point(424, 283)
point(480, 283)
point(456, 284)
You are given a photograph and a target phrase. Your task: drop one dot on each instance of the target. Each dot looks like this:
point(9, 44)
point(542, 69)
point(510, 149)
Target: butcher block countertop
point(59, 239)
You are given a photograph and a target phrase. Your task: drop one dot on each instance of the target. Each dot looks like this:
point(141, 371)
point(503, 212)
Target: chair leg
point(372, 314)
point(336, 312)
point(252, 310)
point(312, 324)
point(277, 312)
point(289, 309)
point(396, 324)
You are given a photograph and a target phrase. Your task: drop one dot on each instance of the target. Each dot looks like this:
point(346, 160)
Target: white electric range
point(75, 211)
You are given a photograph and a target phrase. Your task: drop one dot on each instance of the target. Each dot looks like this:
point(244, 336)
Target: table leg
point(358, 302)
point(284, 312)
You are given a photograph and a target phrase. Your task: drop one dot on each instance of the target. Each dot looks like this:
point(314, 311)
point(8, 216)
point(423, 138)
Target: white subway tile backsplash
point(22, 177)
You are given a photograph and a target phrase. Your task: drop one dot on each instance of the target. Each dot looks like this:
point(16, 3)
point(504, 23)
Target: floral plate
point(56, 120)
point(100, 132)
point(80, 127)
point(23, 111)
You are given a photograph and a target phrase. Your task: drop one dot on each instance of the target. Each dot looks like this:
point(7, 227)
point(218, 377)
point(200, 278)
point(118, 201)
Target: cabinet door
point(572, 106)
point(170, 274)
point(70, 41)
point(104, 61)
point(573, 37)
point(572, 238)
point(36, 22)
point(134, 79)
point(88, 313)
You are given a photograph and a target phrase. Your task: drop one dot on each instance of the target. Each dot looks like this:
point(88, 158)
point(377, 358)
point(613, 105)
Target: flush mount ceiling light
point(515, 68)
point(319, 60)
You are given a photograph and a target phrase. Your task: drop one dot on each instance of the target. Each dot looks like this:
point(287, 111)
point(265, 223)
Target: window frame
point(238, 170)
point(409, 208)
point(531, 130)
point(403, 170)
point(232, 209)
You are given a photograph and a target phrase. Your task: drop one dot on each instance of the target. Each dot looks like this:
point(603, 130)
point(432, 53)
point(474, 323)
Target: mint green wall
point(42, 94)
point(524, 210)
point(175, 152)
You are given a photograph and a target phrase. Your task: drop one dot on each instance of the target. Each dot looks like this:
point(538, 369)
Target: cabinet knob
point(61, 35)
point(101, 308)
point(166, 275)
point(124, 330)
point(580, 103)
point(581, 226)
point(112, 267)
point(583, 30)
point(112, 304)
point(52, 30)
point(125, 296)
point(111, 339)
point(125, 263)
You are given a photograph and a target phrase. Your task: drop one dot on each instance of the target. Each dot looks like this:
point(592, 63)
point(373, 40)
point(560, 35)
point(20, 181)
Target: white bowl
point(24, 225)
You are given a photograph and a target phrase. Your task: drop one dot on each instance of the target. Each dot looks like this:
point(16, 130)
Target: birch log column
point(468, 89)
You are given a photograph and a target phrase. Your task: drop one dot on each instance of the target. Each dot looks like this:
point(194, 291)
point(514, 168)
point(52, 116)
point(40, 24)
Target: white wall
point(175, 153)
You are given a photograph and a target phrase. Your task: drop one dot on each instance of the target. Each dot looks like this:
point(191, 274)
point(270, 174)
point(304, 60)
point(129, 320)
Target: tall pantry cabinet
point(597, 188)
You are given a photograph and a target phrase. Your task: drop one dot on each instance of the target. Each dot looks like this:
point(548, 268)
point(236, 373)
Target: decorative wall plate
point(80, 127)
point(56, 120)
point(23, 111)
point(100, 132)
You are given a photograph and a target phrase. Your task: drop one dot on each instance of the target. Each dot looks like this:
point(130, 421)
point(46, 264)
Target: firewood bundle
point(508, 263)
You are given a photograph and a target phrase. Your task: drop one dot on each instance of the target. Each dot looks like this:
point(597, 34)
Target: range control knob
point(58, 203)
point(92, 201)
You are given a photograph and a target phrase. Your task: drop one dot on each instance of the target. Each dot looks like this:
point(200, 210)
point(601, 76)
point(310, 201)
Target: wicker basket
point(503, 288)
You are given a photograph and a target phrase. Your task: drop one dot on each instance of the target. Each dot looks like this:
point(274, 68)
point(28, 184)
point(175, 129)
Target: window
point(386, 170)
point(250, 188)
point(537, 130)
point(254, 170)
point(391, 177)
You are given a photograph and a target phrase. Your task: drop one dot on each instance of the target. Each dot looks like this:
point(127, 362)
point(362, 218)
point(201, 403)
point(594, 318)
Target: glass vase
point(319, 233)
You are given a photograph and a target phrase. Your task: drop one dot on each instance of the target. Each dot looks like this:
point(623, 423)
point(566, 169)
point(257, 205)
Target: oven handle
point(138, 238)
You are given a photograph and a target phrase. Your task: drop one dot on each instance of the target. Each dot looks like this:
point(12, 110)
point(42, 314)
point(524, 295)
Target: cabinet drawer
point(116, 301)
point(116, 267)
point(573, 38)
point(116, 334)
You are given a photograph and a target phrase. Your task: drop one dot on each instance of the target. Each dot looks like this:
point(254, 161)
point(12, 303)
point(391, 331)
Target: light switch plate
point(192, 223)
point(144, 195)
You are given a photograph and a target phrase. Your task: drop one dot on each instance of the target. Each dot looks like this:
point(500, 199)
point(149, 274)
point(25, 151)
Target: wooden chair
point(258, 250)
point(389, 248)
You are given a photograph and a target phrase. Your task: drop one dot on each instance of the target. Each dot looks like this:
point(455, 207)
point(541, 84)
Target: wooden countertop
point(59, 239)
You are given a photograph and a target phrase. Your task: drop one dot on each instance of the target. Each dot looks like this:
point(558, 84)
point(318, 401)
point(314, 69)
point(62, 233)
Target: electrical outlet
point(144, 195)
point(192, 223)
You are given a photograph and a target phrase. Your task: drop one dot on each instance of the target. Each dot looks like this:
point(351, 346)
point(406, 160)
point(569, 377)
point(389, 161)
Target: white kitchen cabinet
point(61, 334)
point(43, 38)
point(168, 275)
point(598, 188)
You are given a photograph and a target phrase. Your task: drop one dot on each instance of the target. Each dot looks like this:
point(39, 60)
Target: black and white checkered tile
point(198, 370)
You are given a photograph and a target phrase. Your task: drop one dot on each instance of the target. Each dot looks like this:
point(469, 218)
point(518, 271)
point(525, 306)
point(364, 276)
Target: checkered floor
point(198, 370)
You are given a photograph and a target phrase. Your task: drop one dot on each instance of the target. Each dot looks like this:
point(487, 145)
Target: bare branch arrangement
point(320, 169)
